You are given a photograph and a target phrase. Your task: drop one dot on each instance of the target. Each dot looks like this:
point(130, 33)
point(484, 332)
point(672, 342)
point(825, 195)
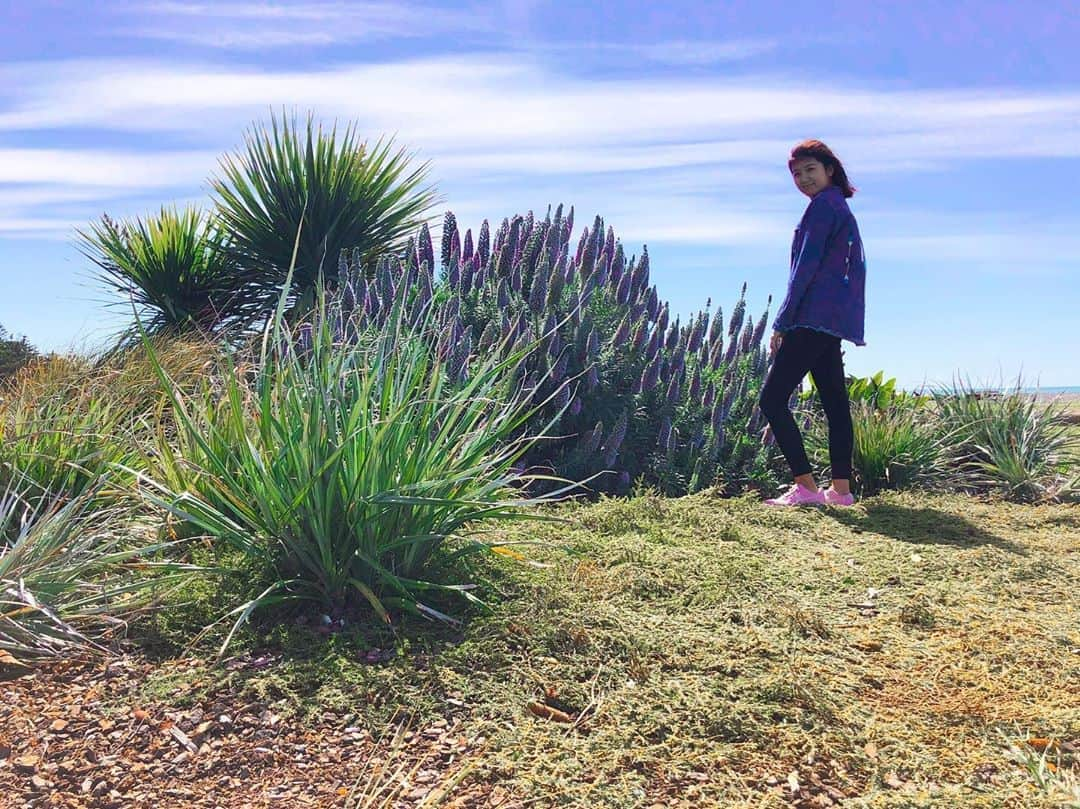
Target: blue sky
point(958, 122)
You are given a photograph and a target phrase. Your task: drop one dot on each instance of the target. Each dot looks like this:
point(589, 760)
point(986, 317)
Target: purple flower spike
point(592, 345)
point(466, 278)
point(538, 292)
point(716, 330)
point(562, 398)
point(592, 378)
point(614, 441)
point(618, 267)
point(650, 375)
point(575, 407)
point(672, 337)
point(592, 439)
point(622, 291)
point(664, 437)
point(449, 228)
point(424, 250)
point(581, 247)
point(737, 318)
point(673, 390)
point(483, 244)
point(744, 343)
point(623, 332)
point(467, 250)
point(558, 370)
point(652, 303)
point(697, 334)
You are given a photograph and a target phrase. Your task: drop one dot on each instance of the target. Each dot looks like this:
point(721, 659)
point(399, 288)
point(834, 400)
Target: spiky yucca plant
point(174, 267)
point(331, 188)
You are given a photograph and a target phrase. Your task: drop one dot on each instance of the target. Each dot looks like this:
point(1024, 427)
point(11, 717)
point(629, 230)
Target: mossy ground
point(718, 653)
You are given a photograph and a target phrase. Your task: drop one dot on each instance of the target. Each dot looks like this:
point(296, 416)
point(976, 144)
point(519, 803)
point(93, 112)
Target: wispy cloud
point(485, 102)
point(103, 168)
point(680, 158)
point(691, 52)
point(254, 26)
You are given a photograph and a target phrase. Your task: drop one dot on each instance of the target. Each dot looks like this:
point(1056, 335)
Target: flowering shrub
point(635, 393)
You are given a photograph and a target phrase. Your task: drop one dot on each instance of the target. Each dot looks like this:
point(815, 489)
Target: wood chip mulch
point(72, 735)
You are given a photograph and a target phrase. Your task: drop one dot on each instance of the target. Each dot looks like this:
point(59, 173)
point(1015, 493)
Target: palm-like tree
point(176, 268)
point(333, 191)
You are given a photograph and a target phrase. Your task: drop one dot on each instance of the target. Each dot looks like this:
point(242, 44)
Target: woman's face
point(811, 176)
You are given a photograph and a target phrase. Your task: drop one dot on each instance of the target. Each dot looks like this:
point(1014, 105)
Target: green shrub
point(345, 471)
point(70, 575)
point(14, 354)
point(1010, 442)
point(898, 444)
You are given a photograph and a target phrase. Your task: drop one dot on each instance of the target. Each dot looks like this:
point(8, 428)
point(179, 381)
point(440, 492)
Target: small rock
point(58, 725)
point(27, 764)
point(39, 783)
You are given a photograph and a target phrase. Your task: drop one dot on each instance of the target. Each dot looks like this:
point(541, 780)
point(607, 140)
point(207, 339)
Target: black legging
point(804, 350)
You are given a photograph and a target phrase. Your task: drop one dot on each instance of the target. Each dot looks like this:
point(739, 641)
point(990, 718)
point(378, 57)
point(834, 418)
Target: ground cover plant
point(912, 652)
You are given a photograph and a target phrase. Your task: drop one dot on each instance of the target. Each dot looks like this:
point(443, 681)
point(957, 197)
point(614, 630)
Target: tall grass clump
point(1010, 443)
point(899, 442)
point(60, 432)
point(345, 471)
point(68, 421)
point(71, 577)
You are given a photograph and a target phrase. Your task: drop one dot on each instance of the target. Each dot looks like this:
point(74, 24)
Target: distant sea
point(1066, 389)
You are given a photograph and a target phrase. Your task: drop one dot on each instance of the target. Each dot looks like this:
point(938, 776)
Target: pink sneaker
point(834, 499)
point(798, 495)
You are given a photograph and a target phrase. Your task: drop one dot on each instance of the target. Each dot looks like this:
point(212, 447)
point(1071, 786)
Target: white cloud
point(690, 52)
point(102, 168)
point(254, 26)
point(678, 159)
point(480, 102)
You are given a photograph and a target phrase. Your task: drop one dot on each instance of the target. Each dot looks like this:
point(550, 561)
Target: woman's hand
point(774, 342)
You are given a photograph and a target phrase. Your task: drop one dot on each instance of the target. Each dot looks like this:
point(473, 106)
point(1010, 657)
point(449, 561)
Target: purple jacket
point(827, 287)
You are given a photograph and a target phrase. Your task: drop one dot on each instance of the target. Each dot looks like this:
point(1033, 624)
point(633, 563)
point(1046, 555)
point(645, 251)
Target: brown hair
point(819, 151)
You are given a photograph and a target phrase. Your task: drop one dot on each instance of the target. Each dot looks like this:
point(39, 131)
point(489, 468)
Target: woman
point(825, 304)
